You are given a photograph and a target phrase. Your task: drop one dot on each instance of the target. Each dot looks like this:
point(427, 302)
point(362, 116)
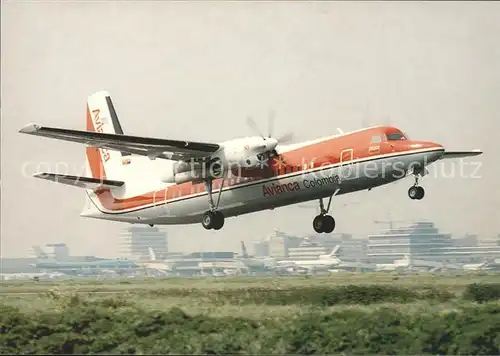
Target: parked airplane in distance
point(153, 264)
point(322, 263)
point(162, 181)
point(408, 262)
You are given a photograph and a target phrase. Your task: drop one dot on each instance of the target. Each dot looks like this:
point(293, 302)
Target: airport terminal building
point(423, 240)
point(136, 241)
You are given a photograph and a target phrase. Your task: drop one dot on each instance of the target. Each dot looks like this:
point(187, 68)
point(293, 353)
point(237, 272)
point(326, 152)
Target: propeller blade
point(270, 122)
point(251, 123)
point(288, 137)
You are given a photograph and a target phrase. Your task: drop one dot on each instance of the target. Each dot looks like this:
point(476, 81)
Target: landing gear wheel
point(416, 192)
point(318, 224)
point(324, 223)
point(212, 220)
point(329, 224)
point(421, 193)
point(208, 220)
point(413, 192)
point(218, 221)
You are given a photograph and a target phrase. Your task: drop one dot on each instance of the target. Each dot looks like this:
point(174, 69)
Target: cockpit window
point(395, 137)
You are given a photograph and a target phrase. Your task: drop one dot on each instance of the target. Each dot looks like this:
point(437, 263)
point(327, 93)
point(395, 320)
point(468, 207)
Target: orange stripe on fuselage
point(320, 154)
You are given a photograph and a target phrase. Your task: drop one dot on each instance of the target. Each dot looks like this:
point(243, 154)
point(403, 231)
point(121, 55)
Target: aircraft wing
point(461, 154)
point(144, 146)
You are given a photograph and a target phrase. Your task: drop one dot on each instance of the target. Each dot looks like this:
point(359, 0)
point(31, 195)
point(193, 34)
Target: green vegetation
point(482, 292)
point(320, 296)
point(352, 313)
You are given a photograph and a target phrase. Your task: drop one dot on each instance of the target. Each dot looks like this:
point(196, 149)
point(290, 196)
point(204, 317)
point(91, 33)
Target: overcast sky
point(196, 70)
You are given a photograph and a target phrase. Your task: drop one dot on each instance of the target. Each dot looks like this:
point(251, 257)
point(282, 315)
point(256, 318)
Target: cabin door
point(346, 166)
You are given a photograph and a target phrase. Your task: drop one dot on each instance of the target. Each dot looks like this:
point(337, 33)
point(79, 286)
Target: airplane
point(487, 265)
point(397, 265)
point(154, 264)
point(355, 266)
point(323, 262)
point(475, 266)
point(409, 262)
point(255, 263)
point(34, 275)
point(152, 181)
point(40, 253)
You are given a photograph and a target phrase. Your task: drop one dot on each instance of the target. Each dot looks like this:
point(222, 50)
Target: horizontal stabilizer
point(461, 154)
point(82, 182)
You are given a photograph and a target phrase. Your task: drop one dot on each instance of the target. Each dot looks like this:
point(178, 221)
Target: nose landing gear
point(416, 192)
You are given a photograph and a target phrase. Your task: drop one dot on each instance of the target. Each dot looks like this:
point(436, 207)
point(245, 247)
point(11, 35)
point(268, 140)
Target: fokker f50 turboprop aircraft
point(161, 181)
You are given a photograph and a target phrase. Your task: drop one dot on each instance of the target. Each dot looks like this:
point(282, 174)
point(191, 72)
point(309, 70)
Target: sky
point(196, 70)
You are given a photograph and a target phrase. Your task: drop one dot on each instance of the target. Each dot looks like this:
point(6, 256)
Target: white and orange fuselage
point(125, 178)
point(301, 172)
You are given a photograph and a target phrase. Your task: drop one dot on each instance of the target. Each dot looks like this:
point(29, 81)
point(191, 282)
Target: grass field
point(344, 312)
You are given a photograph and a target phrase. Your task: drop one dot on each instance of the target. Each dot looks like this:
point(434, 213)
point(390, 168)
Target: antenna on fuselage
point(340, 130)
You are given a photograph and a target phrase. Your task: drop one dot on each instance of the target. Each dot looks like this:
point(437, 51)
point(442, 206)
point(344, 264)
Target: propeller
point(253, 126)
point(288, 137)
point(270, 122)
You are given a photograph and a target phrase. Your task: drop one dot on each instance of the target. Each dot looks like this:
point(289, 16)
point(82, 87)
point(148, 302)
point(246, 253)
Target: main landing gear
point(213, 219)
point(324, 223)
point(416, 191)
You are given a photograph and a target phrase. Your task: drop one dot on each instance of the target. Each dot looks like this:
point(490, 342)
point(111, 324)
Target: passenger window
point(376, 139)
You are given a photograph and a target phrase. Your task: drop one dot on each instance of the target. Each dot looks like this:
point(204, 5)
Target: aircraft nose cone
point(424, 145)
point(435, 150)
point(427, 151)
point(435, 145)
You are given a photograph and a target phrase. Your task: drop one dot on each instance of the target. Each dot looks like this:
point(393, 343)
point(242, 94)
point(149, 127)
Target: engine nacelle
point(187, 176)
point(246, 160)
point(241, 156)
point(183, 172)
point(168, 176)
point(181, 166)
point(251, 162)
